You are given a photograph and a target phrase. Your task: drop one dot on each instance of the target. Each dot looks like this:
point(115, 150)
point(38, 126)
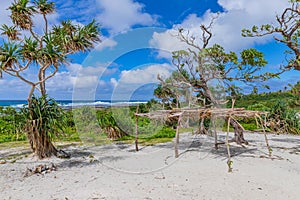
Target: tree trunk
point(42, 84)
point(238, 132)
point(39, 141)
point(202, 129)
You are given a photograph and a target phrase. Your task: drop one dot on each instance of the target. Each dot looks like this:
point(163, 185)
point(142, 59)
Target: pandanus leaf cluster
point(48, 50)
point(45, 112)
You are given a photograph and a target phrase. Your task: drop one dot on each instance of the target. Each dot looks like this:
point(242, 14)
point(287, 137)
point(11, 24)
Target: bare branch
point(46, 24)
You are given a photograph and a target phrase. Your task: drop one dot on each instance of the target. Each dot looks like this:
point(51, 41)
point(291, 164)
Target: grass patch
point(164, 135)
point(15, 144)
point(12, 137)
point(69, 135)
point(249, 127)
point(95, 139)
point(189, 129)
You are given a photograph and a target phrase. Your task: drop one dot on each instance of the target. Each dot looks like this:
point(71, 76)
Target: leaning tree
point(40, 51)
point(210, 70)
point(285, 31)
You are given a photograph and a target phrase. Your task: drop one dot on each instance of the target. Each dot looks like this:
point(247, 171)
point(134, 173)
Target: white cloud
point(121, 15)
point(91, 71)
point(106, 43)
point(13, 88)
point(77, 78)
point(166, 42)
point(227, 27)
point(4, 13)
point(145, 75)
point(131, 81)
point(114, 82)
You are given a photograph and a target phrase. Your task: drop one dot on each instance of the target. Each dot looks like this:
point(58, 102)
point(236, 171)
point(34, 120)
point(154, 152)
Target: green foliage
point(46, 114)
point(282, 106)
point(264, 100)
point(165, 132)
point(124, 119)
point(86, 123)
point(11, 137)
point(10, 54)
point(175, 88)
point(70, 134)
point(109, 125)
point(44, 7)
point(164, 93)
point(258, 107)
point(11, 32)
point(252, 57)
point(105, 118)
point(92, 123)
point(10, 125)
point(285, 120)
point(249, 126)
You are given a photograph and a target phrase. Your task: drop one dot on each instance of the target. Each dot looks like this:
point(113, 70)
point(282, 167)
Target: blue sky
point(137, 38)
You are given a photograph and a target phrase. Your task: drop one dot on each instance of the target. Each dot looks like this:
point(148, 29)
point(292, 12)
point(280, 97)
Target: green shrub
point(10, 125)
point(258, 107)
point(165, 132)
point(284, 119)
point(45, 114)
point(249, 127)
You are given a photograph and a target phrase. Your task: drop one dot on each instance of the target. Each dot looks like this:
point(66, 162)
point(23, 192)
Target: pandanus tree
point(43, 48)
point(209, 70)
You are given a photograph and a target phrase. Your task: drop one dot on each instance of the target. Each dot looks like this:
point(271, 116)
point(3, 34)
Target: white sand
point(118, 172)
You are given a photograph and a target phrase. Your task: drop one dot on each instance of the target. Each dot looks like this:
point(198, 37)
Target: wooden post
point(229, 162)
point(215, 133)
point(177, 137)
point(263, 124)
point(267, 143)
point(137, 129)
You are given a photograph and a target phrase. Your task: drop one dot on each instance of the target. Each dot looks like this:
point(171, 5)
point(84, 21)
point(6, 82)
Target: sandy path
point(118, 172)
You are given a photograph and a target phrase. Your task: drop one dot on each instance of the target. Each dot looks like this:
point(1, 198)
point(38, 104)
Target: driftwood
point(40, 169)
point(230, 114)
point(202, 112)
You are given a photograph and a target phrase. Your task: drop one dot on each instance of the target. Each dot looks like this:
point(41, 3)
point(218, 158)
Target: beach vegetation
point(282, 108)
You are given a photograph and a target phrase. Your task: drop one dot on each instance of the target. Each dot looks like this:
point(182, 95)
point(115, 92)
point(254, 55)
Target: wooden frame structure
point(212, 113)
